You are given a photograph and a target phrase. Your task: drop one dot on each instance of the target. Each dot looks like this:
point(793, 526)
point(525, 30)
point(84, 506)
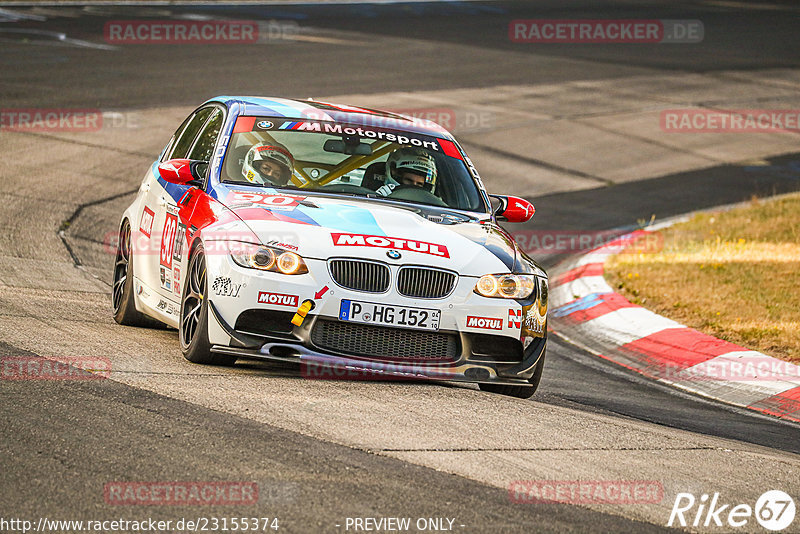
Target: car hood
point(322, 227)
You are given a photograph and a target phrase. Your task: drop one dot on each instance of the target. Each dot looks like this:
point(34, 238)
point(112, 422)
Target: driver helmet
point(415, 160)
point(268, 163)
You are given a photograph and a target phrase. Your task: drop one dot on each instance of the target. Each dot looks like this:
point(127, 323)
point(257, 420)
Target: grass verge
point(732, 274)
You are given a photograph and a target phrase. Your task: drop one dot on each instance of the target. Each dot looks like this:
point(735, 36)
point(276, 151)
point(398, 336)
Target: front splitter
point(318, 365)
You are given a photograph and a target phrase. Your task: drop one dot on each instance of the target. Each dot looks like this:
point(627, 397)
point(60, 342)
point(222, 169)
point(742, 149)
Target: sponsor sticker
point(363, 240)
point(487, 323)
point(168, 307)
point(402, 138)
point(146, 224)
point(165, 277)
point(177, 248)
point(176, 280)
point(532, 321)
point(287, 246)
point(278, 299)
point(273, 202)
point(224, 287)
point(515, 318)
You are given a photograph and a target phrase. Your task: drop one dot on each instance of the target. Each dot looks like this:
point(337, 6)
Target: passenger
point(412, 167)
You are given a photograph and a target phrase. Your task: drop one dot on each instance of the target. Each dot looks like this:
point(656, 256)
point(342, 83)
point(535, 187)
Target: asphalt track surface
point(63, 440)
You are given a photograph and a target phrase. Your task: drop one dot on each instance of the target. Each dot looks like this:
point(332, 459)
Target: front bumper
point(244, 326)
point(298, 346)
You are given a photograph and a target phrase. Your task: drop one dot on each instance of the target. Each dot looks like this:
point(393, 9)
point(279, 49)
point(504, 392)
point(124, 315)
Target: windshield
point(376, 163)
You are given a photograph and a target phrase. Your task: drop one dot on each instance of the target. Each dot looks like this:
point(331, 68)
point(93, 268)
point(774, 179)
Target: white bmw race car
point(358, 243)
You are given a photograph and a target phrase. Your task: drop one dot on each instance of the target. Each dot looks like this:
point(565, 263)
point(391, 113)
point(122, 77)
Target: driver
point(411, 167)
point(268, 164)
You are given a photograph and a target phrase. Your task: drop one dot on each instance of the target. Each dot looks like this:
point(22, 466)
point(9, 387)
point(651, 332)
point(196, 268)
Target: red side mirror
point(514, 209)
point(181, 171)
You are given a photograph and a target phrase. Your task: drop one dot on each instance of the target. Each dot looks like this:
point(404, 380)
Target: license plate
point(386, 315)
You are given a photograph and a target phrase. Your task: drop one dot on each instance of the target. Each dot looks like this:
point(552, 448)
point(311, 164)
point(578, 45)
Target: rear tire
point(122, 298)
point(521, 392)
point(193, 327)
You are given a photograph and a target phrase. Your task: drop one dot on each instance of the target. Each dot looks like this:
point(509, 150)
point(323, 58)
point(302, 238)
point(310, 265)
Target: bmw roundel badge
point(264, 125)
point(393, 254)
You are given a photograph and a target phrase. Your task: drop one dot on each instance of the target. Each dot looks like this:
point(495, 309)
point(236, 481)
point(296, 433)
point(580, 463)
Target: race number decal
point(168, 239)
point(273, 202)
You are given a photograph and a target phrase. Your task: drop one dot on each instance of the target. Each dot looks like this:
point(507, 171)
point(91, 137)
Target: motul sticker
point(362, 240)
point(277, 299)
point(146, 224)
point(515, 318)
point(487, 323)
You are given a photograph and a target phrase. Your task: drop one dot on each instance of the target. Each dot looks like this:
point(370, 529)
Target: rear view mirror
point(347, 145)
point(513, 209)
point(183, 171)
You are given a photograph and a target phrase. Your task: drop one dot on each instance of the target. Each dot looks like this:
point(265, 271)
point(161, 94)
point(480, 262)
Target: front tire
point(122, 298)
point(521, 392)
point(193, 327)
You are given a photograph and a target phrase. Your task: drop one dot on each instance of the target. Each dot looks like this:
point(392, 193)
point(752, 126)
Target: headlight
point(290, 263)
point(506, 286)
point(267, 259)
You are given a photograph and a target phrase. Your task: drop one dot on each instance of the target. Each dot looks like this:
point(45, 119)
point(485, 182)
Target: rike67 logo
point(774, 510)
